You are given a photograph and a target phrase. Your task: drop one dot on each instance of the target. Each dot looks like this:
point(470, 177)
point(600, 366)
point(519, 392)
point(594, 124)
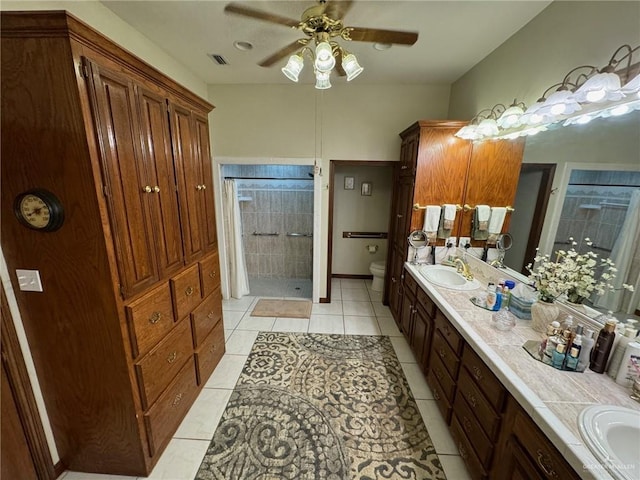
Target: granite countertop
point(552, 398)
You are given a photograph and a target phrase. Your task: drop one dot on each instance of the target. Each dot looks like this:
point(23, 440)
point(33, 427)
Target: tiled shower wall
point(595, 207)
point(276, 199)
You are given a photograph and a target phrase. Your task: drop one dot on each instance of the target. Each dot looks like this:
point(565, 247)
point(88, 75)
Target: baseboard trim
point(357, 277)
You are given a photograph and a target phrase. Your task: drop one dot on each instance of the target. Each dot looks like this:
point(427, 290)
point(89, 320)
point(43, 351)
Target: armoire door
point(115, 112)
point(207, 208)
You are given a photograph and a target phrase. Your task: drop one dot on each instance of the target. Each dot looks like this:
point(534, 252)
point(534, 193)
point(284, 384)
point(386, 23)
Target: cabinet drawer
point(166, 414)
point(206, 316)
point(476, 437)
point(479, 405)
point(542, 452)
point(440, 397)
point(209, 354)
point(156, 369)
point(443, 352)
point(426, 303)
point(149, 319)
point(185, 290)
point(449, 333)
point(447, 384)
point(209, 274)
point(410, 283)
point(484, 378)
point(474, 466)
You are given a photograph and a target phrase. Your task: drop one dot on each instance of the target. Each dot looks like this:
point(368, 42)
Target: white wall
point(564, 36)
point(347, 122)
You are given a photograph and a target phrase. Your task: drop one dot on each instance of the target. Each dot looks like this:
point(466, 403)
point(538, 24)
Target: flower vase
point(542, 314)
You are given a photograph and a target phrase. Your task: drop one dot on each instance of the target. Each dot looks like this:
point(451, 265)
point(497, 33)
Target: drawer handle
point(155, 317)
point(446, 330)
point(463, 451)
point(466, 423)
point(436, 395)
point(210, 315)
point(172, 357)
point(189, 291)
point(546, 464)
point(438, 374)
point(177, 399)
point(404, 167)
point(442, 353)
point(473, 400)
point(477, 373)
point(212, 274)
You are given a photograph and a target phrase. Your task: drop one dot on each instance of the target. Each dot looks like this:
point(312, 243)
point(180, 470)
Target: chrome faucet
point(462, 268)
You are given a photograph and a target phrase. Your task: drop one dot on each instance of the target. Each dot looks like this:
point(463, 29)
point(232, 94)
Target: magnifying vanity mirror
point(418, 240)
point(504, 243)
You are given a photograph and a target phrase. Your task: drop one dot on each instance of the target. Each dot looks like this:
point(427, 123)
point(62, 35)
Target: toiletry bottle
point(553, 339)
point(498, 303)
point(558, 356)
point(491, 296)
point(630, 368)
point(506, 297)
point(572, 358)
point(619, 351)
point(567, 323)
point(577, 341)
point(585, 351)
point(602, 348)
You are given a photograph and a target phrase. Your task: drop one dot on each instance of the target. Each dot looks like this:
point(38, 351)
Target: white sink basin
point(612, 434)
point(447, 277)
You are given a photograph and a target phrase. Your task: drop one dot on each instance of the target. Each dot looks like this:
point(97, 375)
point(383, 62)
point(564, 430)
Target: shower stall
point(276, 217)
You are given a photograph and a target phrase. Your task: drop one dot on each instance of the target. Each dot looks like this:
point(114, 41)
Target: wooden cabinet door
point(161, 175)
point(113, 102)
point(207, 208)
point(421, 338)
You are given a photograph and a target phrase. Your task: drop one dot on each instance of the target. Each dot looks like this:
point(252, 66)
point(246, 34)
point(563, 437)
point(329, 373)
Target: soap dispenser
point(602, 347)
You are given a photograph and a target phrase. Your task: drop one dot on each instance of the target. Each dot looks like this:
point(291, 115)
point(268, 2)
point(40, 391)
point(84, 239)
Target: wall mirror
point(595, 191)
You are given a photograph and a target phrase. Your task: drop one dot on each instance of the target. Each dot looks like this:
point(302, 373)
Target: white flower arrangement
point(574, 274)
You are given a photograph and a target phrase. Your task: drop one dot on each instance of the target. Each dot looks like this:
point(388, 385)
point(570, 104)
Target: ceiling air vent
point(218, 59)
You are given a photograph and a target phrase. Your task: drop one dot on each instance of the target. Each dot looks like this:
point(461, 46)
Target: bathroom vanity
point(510, 415)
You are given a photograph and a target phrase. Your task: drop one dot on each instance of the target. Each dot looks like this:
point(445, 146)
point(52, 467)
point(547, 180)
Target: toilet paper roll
point(372, 248)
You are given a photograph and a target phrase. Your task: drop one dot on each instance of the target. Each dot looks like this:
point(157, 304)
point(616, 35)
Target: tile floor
point(354, 309)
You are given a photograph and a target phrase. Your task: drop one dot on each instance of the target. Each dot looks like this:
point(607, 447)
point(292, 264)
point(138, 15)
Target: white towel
point(449, 213)
point(431, 220)
point(495, 223)
point(483, 212)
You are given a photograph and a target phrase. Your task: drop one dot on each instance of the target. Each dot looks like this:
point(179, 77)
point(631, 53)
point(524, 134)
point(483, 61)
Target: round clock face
point(39, 209)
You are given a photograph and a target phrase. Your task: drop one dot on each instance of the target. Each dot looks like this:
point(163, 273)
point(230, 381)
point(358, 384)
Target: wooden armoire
point(128, 325)
point(437, 168)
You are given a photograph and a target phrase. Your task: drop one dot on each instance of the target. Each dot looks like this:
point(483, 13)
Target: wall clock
point(39, 209)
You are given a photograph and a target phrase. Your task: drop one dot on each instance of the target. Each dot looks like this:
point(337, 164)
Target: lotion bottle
point(602, 347)
point(585, 351)
point(619, 351)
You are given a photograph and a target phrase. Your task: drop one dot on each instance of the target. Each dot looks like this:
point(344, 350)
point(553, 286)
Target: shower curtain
point(626, 256)
point(238, 277)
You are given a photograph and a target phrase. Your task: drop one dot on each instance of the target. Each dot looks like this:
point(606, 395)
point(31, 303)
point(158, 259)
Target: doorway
point(276, 213)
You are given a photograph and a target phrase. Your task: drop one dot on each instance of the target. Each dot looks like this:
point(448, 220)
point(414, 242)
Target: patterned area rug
point(311, 406)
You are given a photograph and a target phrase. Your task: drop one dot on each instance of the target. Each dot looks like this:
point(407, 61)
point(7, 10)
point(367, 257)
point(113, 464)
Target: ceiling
point(453, 36)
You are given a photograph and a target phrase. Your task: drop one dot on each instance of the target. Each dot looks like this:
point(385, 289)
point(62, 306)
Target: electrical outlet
point(29, 280)
point(464, 241)
point(452, 242)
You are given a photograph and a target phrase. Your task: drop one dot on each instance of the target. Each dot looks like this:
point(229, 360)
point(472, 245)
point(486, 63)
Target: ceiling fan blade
point(337, 10)
point(260, 15)
point(358, 34)
point(283, 52)
point(338, 68)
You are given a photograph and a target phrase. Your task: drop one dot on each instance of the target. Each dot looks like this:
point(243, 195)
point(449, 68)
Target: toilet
point(377, 270)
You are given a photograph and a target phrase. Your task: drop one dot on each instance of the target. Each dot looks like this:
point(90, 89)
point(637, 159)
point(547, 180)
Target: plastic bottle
point(498, 303)
point(602, 348)
point(585, 351)
point(619, 351)
point(491, 296)
point(553, 339)
point(630, 368)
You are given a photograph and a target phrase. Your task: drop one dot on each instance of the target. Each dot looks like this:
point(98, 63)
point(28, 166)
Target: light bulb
point(595, 95)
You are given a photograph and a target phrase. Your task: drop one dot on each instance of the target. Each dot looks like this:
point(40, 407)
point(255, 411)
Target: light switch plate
point(29, 280)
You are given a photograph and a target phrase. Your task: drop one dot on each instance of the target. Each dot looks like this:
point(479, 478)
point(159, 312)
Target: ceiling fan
point(322, 23)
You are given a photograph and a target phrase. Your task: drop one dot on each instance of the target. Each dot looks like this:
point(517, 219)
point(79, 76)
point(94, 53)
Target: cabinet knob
point(442, 353)
point(147, 189)
point(155, 317)
point(189, 291)
point(404, 167)
point(210, 315)
point(156, 189)
point(477, 373)
point(172, 357)
point(212, 274)
point(198, 187)
point(204, 187)
point(177, 399)
point(546, 464)
point(472, 400)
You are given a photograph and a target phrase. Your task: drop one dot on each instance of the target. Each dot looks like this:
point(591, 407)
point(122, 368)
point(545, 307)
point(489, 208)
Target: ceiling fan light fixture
point(323, 80)
point(325, 61)
point(351, 66)
point(293, 67)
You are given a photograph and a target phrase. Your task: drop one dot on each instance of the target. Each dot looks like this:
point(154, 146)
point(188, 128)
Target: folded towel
point(495, 223)
point(483, 213)
point(431, 220)
point(449, 215)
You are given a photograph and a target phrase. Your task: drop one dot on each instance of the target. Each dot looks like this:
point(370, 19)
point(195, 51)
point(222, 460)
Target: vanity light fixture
point(585, 93)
